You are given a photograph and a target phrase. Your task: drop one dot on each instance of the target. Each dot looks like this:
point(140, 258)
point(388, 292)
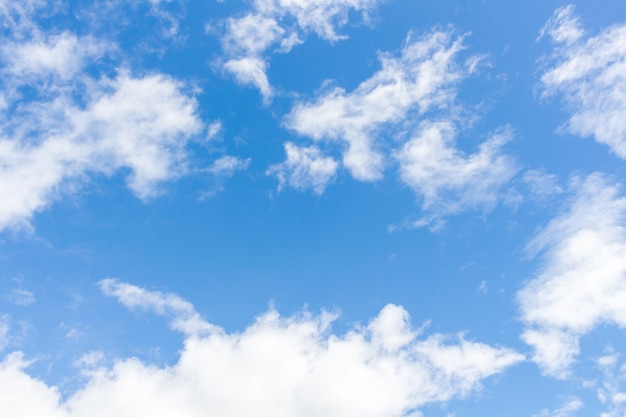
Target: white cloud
point(185, 318)
point(541, 184)
point(138, 123)
point(76, 123)
point(582, 282)
point(227, 165)
point(21, 297)
point(446, 179)
point(419, 80)
point(62, 55)
point(278, 366)
point(251, 70)
point(284, 24)
point(570, 406)
point(305, 167)
point(590, 75)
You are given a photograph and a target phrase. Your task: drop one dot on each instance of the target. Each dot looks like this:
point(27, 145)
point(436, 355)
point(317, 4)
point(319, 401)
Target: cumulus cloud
point(418, 80)
point(75, 122)
point(582, 282)
point(138, 123)
point(405, 114)
point(305, 167)
point(283, 366)
point(446, 178)
point(589, 73)
point(281, 24)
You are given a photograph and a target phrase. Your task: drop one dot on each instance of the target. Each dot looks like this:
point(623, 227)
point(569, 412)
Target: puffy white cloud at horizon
point(284, 23)
point(277, 366)
point(589, 73)
point(582, 282)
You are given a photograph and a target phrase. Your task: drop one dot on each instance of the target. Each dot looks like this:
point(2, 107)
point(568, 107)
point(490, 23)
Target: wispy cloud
point(582, 282)
point(305, 167)
point(280, 24)
point(589, 73)
point(406, 115)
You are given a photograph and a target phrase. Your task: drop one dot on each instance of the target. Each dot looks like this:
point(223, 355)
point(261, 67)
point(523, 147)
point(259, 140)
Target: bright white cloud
point(61, 55)
point(278, 366)
point(138, 123)
point(76, 123)
point(184, 317)
point(582, 282)
point(590, 75)
point(447, 179)
point(283, 24)
point(420, 79)
point(305, 167)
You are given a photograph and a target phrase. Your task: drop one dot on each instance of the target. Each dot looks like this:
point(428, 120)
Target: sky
point(381, 208)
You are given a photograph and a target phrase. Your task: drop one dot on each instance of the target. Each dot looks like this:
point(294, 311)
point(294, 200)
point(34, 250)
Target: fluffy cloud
point(71, 123)
point(406, 114)
point(611, 391)
point(280, 23)
point(277, 366)
point(305, 167)
point(582, 282)
point(448, 180)
point(138, 123)
point(589, 73)
point(406, 87)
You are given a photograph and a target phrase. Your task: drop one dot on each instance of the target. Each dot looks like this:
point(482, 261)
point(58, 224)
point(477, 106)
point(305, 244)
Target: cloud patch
point(281, 24)
point(589, 74)
point(63, 121)
point(582, 282)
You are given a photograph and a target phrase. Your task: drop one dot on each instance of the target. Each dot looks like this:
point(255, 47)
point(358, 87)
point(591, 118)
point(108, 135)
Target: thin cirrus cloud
point(582, 283)
point(277, 366)
point(589, 74)
point(281, 25)
point(74, 125)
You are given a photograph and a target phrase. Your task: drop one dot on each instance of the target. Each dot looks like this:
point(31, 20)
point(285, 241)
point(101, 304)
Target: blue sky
point(312, 207)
